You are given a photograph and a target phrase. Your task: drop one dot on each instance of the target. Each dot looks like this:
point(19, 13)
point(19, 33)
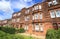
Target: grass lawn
point(26, 37)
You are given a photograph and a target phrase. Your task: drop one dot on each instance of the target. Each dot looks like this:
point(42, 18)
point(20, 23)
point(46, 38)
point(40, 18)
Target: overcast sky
point(8, 7)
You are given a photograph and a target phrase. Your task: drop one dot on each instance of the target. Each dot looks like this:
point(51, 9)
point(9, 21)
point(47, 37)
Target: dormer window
point(35, 7)
point(27, 11)
point(14, 15)
point(19, 14)
point(40, 7)
point(18, 19)
point(50, 3)
point(54, 2)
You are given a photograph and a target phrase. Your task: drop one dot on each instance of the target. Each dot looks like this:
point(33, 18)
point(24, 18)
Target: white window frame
point(36, 16)
point(26, 27)
point(18, 19)
point(40, 7)
point(14, 14)
point(55, 2)
point(27, 18)
point(37, 27)
point(19, 14)
point(41, 16)
point(52, 14)
point(41, 27)
point(57, 13)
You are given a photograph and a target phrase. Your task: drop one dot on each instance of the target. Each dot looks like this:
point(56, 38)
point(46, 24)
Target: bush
point(58, 34)
point(21, 30)
point(51, 34)
point(8, 30)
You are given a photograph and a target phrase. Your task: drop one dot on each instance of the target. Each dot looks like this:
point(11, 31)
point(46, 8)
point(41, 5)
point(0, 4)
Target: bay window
point(54, 2)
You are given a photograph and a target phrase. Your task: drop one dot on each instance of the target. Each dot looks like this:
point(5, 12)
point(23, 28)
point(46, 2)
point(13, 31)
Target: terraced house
point(38, 18)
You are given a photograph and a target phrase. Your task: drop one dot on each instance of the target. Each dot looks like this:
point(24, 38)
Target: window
point(14, 15)
point(37, 27)
point(57, 13)
point(26, 27)
point(36, 16)
point(33, 27)
point(13, 20)
point(54, 2)
point(41, 27)
point(40, 16)
point(36, 7)
point(54, 24)
point(27, 18)
point(50, 3)
point(32, 9)
point(40, 7)
point(33, 17)
point(19, 14)
point(18, 19)
point(27, 11)
point(52, 14)
point(59, 24)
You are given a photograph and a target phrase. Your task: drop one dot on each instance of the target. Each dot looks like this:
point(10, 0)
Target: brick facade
point(37, 18)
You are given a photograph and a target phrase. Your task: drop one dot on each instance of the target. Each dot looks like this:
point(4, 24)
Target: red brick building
point(38, 18)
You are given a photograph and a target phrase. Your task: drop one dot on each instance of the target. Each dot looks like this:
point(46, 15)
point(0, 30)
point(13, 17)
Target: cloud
point(21, 4)
point(5, 7)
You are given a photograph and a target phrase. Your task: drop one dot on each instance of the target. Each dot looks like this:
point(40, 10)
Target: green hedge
point(4, 35)
point(8, 30)
point(53, 34)
point(21, 30)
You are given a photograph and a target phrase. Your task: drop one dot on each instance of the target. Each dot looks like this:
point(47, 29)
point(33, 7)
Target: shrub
point(21, 30)
point(51, 34)
point(58, 34)
point(8, 30)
